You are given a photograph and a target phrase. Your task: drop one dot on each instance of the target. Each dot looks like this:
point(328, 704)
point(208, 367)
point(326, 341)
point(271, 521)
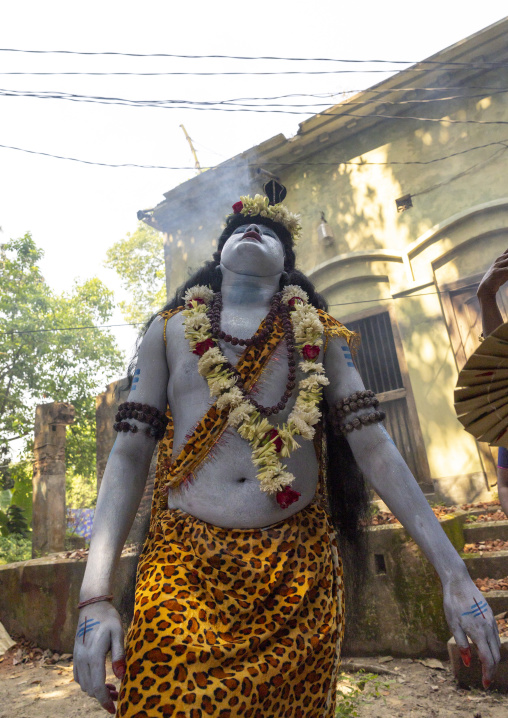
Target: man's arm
point(385, 469)
point(502, 478)
point(99, 625)
point(491, 282)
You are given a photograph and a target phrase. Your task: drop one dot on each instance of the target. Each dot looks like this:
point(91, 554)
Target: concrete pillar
point(106, 405)
point(49, 519)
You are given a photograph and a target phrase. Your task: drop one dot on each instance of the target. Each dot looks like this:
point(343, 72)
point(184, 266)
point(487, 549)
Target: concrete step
point(486, 531)
point(472, 677)
point(497, 600)
point(493, 564)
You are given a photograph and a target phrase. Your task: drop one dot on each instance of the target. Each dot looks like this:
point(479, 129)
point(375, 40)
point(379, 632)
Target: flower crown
point(259, 206)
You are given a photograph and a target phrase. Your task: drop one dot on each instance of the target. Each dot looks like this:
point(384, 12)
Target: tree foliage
point(139, 261)
point(46, 354)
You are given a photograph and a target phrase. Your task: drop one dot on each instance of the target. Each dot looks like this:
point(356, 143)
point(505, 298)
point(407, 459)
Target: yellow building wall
point(359, 205)
point(455, 229)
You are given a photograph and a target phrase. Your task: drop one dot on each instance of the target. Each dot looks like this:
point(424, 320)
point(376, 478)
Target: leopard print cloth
point(234, 622)
point(231, 622)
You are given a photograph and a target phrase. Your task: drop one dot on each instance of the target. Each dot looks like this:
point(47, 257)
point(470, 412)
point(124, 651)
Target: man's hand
point(99, 630)
point(468, 614)
point(494, 278)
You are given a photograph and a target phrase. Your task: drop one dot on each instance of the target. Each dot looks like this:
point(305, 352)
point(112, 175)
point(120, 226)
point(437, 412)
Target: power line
point(107, 326)
point(176, 104)
point(486, 161)
point(208, 73)
point(253, 165)
point(68, 329)
point(454, 63)
point(234, 105)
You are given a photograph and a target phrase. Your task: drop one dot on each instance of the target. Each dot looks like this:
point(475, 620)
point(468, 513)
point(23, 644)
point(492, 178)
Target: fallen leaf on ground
point(431, 663)
point(487, 546)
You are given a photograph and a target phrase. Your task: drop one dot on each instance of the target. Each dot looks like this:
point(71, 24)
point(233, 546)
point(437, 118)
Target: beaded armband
point(156, 420)
point(342, 415)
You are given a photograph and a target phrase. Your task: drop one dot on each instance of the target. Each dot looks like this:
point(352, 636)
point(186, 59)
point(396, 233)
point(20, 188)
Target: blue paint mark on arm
point(86, 627)
point(347, 356)
point(477, 609)
point(387, 435)
point(138, 371)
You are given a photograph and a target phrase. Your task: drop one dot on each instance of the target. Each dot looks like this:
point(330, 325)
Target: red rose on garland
point(237, 207)
point(202, 347)
point(287, 496)
point(274, 434)
point(310, 352)
point(293, 301)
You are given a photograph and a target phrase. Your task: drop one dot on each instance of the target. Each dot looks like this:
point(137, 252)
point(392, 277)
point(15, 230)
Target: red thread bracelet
point(96, 599)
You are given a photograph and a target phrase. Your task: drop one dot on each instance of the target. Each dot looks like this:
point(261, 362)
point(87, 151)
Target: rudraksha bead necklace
point(214, 316)
point(276, 309)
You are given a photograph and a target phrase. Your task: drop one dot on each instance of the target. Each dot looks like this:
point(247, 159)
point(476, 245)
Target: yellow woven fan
point(481, 395)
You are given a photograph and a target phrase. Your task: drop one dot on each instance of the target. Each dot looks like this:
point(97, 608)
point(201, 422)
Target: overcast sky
point(75, 211)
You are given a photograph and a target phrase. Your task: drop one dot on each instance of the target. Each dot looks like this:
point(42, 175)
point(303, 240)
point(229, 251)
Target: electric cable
point(482, 163)
point(337, 161)
point(227, 105)
point(210, 74)
point(456, 63)
point(107, 326)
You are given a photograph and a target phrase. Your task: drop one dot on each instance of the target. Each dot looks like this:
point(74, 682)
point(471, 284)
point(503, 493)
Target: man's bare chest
point(184, 376)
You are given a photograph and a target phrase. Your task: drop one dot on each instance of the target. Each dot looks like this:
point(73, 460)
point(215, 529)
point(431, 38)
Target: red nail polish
point(465, 654)
point(119, 668)
point(486, 683)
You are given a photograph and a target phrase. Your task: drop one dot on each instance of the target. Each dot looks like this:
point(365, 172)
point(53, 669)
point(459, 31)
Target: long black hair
point(347, 492)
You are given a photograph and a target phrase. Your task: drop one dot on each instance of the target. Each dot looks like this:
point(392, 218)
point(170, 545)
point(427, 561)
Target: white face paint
point(254, 250)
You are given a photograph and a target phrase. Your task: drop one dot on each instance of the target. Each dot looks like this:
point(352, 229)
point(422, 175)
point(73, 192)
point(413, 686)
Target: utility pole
point(196, 161)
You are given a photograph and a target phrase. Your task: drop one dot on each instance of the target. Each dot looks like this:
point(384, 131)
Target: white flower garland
point(243, 416)
point(258, 206)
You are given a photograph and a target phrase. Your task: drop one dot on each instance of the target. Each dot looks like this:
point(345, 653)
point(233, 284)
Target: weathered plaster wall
point(399, 611)
point(38, 599)
point(456, 227)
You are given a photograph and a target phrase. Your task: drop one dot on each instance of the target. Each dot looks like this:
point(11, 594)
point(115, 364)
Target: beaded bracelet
point(144, 413)
point(350, 405)
point(362, 420)
point(357, 400)
point(95, 599)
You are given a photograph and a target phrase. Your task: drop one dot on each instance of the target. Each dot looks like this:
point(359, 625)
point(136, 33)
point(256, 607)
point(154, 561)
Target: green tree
point(139, 261)
point(46, 355)
point(16, 522)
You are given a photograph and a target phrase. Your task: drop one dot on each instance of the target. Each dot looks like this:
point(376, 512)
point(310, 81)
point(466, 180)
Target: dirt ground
point(412, 689)
point(405, 689)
